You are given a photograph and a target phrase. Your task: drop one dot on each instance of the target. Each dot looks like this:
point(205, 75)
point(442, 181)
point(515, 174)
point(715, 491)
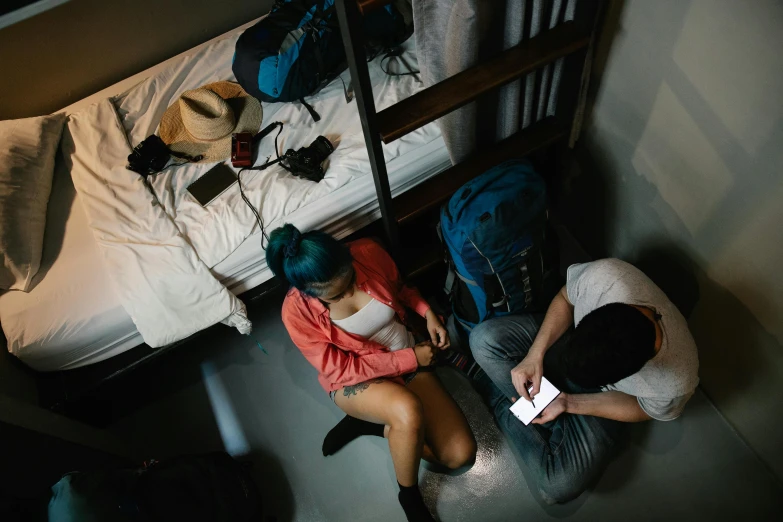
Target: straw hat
point(202, 121)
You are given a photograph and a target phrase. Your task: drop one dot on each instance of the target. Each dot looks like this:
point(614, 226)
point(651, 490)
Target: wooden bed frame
point(572, 40)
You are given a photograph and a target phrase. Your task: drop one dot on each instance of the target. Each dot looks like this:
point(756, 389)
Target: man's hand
point(553, 411)
point(425, 353)
point(438, 333)
point(530, 370)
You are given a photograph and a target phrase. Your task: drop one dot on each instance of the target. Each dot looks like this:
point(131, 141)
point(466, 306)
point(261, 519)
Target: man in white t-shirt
point(630, 358)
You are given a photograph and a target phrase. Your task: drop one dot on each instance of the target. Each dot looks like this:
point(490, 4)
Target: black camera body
point(152, 155)
point(149, 156)
point(306, 162)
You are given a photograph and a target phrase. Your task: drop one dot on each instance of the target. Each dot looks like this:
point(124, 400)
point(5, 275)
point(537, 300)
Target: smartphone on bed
point(526, 410)
point(212, 184)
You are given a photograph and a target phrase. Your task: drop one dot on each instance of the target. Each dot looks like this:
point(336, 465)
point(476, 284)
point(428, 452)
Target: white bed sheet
point(217, 230)
point(72, 315)
point(73, 318)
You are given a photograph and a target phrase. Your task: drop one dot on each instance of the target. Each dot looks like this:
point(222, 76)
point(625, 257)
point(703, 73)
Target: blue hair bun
point(292, 248)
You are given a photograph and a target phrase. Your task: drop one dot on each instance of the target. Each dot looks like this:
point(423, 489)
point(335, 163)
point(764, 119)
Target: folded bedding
point(160, 280)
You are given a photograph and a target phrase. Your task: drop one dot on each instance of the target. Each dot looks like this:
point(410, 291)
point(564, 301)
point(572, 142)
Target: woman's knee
point(406, 412)
point(459, 453)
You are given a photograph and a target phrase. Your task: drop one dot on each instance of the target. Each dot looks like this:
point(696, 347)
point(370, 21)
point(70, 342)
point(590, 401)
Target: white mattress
point(72, 317)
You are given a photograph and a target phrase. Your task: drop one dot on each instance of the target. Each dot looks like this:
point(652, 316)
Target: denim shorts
point(407, 378)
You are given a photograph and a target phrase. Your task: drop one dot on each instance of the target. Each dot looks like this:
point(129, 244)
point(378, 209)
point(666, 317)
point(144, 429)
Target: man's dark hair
point(611, 343)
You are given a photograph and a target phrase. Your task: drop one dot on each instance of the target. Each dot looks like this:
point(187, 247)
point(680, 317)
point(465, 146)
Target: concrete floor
point(223, 392)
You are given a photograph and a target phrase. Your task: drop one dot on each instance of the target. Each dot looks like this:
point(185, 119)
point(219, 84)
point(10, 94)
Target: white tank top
point(377, 322)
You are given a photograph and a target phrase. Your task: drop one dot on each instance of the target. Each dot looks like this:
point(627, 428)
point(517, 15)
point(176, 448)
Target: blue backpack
point(494, 229)
point(297, 49)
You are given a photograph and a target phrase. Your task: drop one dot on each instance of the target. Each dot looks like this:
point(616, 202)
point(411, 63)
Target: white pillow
point(27, 151)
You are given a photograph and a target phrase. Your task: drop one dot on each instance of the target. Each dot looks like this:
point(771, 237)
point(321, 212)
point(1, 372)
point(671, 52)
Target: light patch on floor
point(234, 440)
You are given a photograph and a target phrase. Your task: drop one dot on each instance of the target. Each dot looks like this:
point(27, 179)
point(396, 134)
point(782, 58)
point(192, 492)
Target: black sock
point(346, 430)
point(463, 363)
point(413, 505)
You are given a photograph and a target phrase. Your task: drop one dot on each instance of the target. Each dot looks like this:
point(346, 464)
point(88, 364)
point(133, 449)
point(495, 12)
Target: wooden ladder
point(570, 40)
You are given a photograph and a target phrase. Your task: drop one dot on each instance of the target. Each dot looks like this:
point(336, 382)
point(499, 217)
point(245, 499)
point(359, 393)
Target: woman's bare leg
point(446, 430)
point(426, 452)
point(391, 404)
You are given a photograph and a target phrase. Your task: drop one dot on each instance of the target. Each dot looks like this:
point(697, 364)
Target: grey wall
point(682, 172)
point(62, 55)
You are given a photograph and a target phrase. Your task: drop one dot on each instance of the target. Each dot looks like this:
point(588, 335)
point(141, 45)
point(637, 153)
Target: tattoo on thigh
point(358, 388)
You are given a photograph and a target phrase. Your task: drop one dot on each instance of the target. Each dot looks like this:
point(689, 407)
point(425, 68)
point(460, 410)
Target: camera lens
point(322, 147)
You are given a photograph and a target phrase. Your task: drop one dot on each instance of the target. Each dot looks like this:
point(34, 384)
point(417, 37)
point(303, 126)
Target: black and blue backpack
point(196, 488)
point(297, 49)
point(495, 232)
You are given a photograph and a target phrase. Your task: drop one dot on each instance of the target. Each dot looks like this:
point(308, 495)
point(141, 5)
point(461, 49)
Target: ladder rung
point(462, 88)
point(436, 190)
point(365, 6)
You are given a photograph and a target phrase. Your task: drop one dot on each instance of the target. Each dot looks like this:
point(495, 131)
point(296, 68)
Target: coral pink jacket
point(344, 359)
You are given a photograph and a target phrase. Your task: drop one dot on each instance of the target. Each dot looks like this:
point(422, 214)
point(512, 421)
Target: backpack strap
point(525, 276)
point(465, 279)
point(448, 287)
point(495, 292)
point(396, 52)
point(310, 109)
point(450, 277)
point(324, 16)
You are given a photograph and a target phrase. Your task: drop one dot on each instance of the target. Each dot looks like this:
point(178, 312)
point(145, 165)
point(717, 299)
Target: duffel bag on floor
point(200, 488)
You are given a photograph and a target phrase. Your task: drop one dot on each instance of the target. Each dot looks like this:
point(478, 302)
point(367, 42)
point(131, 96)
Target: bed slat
point(462, 88)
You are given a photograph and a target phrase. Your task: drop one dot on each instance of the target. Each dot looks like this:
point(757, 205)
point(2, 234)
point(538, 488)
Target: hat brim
point(247, 110)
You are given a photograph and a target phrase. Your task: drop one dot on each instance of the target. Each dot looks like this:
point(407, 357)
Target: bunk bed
point(411, 206)
point(73, 329)
point(568, 41)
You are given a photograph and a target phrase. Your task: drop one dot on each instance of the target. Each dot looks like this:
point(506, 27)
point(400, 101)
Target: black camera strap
point(267, 130)
point(397, 52)
point(256, 139)
point(299, 164)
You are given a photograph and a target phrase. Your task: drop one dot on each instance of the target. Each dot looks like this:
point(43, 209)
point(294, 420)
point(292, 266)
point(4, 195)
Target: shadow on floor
point(694, 468)
point(273, 485)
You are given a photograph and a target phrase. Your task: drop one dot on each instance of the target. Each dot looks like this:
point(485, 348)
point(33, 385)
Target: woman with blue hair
point(346, 311)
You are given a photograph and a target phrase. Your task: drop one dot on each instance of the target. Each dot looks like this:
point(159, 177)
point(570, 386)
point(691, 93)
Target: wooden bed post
point(351, 28)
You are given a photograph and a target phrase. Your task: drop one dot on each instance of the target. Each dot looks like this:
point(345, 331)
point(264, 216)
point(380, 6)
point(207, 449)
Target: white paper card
point(525, 411)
